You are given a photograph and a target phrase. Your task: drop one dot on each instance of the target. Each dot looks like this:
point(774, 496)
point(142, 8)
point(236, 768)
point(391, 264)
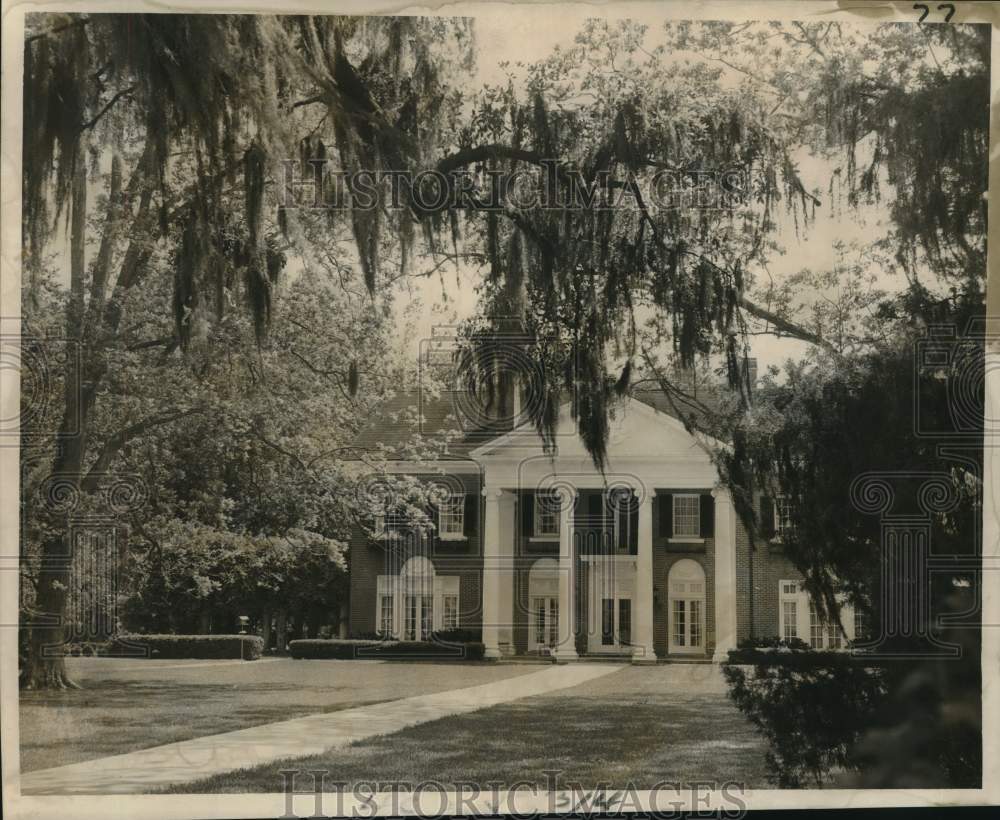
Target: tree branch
point(92, 122)
point(784, 325)
point(114, 443)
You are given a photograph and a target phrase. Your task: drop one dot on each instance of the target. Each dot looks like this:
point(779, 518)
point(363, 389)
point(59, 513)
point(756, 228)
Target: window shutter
point(666, 502)
point(527, 514)
point(595, 510)
point(595, 504)
point(707, 515)
point(767, 516)
point(471, 514)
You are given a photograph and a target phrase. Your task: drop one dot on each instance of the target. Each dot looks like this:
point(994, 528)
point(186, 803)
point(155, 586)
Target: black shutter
point(527, 514)
point(767, 517)
point(471, 514)
point(595, 513)
point(707, 515)
point(666, 502)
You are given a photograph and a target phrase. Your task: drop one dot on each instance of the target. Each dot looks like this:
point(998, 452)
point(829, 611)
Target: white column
point(566, 648)
point(507, 528)
point(491, 573)
point(725, 575)
point(642, 635)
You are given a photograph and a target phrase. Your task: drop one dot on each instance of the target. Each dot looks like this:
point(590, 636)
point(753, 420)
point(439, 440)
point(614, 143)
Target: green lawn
point(638, 725)
point(133, 704)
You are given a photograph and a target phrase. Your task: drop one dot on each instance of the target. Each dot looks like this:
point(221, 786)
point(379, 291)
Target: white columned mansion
point(543, 555)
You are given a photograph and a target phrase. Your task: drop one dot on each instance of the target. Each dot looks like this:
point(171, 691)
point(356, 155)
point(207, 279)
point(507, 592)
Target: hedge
point(337, 649)
point(797, 658)
point(175, 647)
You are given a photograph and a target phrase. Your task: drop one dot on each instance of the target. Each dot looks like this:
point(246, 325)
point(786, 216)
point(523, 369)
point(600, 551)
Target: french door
point(687, 625)
point(612, 589)
point(419, 617)
point(616, 623)
point(543, 629)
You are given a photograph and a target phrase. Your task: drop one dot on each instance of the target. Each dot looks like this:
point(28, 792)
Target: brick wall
point(370, 558)
point(770, 566)
point(665, 555)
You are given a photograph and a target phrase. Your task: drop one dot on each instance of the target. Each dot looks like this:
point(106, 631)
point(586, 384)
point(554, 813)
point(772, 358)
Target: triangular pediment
point(637, 431)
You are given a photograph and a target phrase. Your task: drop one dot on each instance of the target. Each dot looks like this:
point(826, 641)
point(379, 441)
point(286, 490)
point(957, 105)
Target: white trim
point(690, 576)
point(617, 585)
point(675, 497)
point(516, 438)
point(803, 618)
point(455, 513)
point(538, 507)
point(417, 578)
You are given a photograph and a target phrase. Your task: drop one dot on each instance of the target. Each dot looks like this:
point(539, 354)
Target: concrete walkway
point(150, 769)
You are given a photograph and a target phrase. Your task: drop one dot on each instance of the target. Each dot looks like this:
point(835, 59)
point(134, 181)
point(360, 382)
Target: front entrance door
point(612, 582)
point(543, 627)
point(616, 623)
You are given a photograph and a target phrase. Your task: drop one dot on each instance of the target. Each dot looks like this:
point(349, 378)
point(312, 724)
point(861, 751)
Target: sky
point(528, 38)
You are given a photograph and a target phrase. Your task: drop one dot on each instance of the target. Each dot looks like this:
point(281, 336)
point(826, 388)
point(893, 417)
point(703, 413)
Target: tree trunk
point(282, 630)
point(265, 621)
point(205, 622)
point(314, 623)
point(45, 666)
point(343, 620)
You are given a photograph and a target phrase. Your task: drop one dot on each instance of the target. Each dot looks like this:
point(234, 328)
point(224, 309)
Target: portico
point(625, 562)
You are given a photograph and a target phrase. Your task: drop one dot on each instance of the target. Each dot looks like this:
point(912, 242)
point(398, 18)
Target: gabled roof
point(411, 420)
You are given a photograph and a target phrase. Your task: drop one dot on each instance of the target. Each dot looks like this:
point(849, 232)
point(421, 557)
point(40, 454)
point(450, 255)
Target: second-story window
point(546, 516)
point(687, 516)
point(451, 517)
point(782, 516)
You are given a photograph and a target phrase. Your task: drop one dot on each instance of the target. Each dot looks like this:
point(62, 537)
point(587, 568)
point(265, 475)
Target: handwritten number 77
point(927, 10)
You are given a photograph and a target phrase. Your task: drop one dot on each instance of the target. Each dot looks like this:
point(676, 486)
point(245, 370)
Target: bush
point(811, 707)
point(175, 647)
point(794, 652)
point(385, 650)
point(335, 648)
point(459, 636)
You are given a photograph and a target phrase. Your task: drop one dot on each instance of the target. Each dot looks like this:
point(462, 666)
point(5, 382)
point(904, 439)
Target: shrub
point(175, 647)
point(385, 650)
point(335, 648)
point(811, 707)
point(458, 636)
point(792, 652)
